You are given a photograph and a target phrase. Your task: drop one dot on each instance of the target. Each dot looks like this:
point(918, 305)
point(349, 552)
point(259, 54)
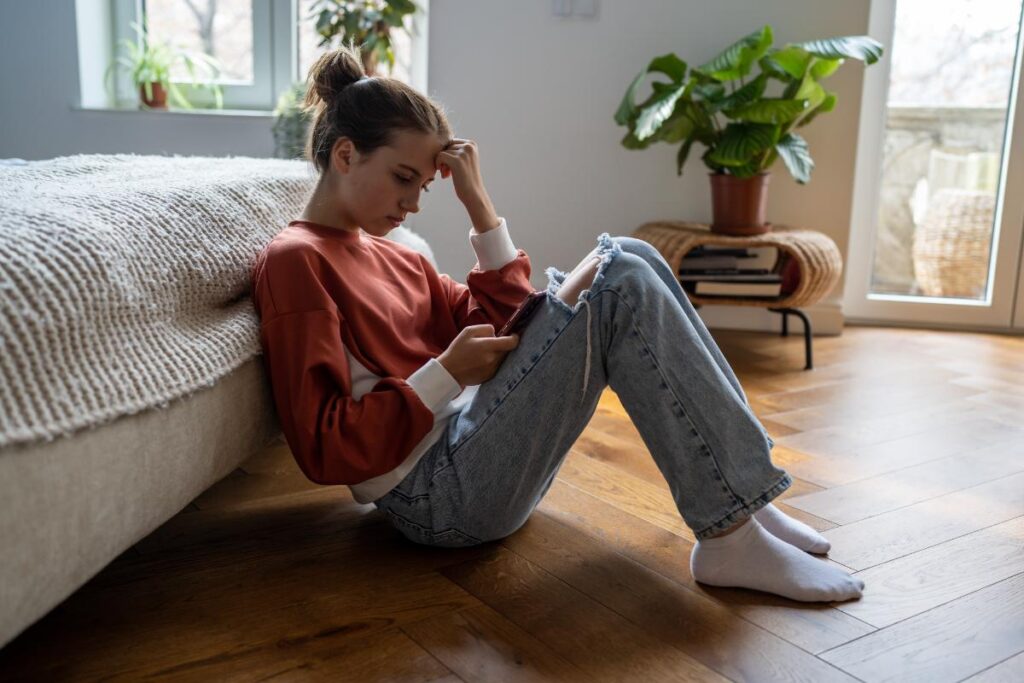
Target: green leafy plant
point(150, 61)
point(291, 122)
point(726, 108)
point(367, 23)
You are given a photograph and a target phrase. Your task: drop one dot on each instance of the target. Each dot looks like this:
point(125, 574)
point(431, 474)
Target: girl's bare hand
point(460, 160)
point(475, 355)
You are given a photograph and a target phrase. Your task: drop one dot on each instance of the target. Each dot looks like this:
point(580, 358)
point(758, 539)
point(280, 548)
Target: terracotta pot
point(738, 205)
point(159, 100)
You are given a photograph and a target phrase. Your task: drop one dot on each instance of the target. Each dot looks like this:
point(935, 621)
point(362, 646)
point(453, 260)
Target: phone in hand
point(522, 314)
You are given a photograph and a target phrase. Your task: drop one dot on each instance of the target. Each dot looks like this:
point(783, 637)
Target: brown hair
point(366, 110)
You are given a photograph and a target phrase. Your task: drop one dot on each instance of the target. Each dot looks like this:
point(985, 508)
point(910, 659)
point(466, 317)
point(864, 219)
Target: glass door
point(939, 192)
point(1018, 315)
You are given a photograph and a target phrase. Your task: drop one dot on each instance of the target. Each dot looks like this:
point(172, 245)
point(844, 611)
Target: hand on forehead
point(441, 166)
point(454, 146)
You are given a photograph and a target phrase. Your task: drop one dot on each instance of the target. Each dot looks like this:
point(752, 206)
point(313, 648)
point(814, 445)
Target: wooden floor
point(907, 449)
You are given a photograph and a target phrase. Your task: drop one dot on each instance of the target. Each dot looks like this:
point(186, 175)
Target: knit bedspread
point(124, 281)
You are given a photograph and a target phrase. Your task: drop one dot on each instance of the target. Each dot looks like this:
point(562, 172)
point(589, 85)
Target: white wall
point(537, 92)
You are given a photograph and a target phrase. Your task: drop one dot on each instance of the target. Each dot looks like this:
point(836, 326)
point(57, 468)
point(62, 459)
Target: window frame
point(275, 52)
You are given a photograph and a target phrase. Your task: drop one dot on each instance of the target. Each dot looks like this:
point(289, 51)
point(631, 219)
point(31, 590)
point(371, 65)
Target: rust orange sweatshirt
point(351, 326)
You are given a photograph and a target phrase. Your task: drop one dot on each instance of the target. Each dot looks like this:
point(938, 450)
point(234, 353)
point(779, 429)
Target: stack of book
point(715, 270)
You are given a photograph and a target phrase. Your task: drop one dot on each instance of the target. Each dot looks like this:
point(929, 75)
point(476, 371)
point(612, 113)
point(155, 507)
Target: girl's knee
point(637, 264)
point(638, 247)
point(634, 273)
point(636, 258)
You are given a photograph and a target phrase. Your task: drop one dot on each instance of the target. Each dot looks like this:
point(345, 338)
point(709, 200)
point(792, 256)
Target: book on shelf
point(718, 270)
point(712, 257)
point(754, 289)
point(761, 275)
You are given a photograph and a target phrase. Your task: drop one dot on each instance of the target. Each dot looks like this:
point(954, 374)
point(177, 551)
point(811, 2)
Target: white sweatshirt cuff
point(493, 248)
point(434, 385)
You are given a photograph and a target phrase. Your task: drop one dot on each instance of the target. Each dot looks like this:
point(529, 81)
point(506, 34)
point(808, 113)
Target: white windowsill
point(244, 113)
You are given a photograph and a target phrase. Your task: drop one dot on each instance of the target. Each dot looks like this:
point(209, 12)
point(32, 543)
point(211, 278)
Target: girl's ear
point(342, 154)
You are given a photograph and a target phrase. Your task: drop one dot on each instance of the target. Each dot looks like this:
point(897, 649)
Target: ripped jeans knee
point(607, 248)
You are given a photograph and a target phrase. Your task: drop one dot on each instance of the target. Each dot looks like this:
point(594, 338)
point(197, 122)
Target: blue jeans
point(639, 335)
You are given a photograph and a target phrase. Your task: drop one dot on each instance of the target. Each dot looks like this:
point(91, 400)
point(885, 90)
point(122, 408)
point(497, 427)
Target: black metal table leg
point(784, 312)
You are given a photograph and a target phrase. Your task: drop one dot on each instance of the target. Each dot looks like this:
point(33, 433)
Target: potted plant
point(367, 23)
point(291, 122)
point(744, 129)
point(150, 62)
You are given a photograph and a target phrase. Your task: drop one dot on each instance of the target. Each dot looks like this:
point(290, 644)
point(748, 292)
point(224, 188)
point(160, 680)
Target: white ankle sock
point(750, 557)
point(790, 530)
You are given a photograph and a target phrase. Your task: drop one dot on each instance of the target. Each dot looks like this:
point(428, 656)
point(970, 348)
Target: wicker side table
point(813, 256)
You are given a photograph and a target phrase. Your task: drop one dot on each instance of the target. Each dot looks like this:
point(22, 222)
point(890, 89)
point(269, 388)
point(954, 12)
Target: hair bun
point(332, 72)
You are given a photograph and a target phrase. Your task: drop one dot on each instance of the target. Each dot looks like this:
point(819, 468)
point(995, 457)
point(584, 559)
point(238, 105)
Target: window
point(264, 46)
point(221, 28)
point(936, 219)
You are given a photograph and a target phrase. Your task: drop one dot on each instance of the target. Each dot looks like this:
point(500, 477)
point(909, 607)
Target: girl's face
point(378, 190)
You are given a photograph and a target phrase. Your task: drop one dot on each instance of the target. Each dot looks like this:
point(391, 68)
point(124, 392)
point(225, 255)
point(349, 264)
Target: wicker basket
point(953, 244)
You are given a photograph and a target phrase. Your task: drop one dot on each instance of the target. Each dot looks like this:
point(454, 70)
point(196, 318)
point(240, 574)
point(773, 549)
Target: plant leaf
point(740, 142)
point(823, 68)
point(748, 170)
point(716, 168)
point(794, 152)
point(630, 141)
point(668, 64)
point(710, 92)
point(827, 105)
point(745, 95)
point(769, 110)
point(811, 91)
point(864, 48)
point(178, 97)
point(627, 108)
point(684, 151)
point(773, 69)
point(735, 61)
point(400, 6)
point(655, 114)
point(324, 21)
point(793, 60)
point(677, 126)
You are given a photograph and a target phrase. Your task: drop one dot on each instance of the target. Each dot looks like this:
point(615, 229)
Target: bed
point(131, 377)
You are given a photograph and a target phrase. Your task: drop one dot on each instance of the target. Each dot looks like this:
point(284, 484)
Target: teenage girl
point(388, 376)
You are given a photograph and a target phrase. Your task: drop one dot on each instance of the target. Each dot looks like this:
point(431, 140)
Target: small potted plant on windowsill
point(757, 128)
point(150, 62)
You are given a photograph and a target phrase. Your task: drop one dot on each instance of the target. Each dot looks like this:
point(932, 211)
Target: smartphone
point(522, 313)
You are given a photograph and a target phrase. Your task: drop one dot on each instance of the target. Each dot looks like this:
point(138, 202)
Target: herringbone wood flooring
point(907, 448)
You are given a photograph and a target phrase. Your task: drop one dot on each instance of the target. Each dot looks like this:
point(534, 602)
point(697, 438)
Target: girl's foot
point(750, 557)
point(790, 530)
